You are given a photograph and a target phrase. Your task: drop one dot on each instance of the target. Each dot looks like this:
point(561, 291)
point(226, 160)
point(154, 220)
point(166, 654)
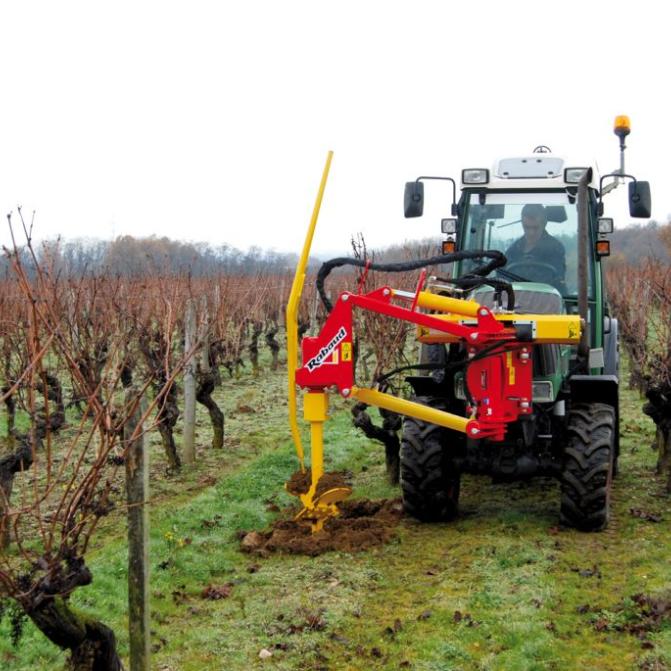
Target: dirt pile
point(299, 482)
point(361, 524)
point(332, 480)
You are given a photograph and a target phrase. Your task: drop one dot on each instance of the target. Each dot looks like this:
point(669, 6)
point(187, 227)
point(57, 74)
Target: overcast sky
point(210, 121)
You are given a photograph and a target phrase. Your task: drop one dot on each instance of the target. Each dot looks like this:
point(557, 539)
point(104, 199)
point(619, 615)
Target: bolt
point(524, 404)
point(483, 312)
point(475, 431)
point(345, 297)
point(346, 391)
point(524, 356)
point(474, 336)
point(385, 292)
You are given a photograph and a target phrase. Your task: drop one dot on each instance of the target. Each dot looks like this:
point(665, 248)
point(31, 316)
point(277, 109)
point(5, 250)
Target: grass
point(500, 588)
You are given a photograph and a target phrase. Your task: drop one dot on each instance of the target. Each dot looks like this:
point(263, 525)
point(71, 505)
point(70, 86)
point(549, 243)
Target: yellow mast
point(292, 315)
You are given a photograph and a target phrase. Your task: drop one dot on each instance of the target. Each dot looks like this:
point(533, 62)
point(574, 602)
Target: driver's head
point(534, 221)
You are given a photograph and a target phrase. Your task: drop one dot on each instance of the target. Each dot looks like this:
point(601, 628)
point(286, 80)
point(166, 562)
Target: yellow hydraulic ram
point(315, 406)
point(401, 406)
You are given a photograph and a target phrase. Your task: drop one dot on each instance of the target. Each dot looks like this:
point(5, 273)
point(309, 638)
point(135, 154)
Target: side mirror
point(413, 200)
point(640, 204)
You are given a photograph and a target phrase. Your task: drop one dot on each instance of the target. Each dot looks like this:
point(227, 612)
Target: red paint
point(498, 384)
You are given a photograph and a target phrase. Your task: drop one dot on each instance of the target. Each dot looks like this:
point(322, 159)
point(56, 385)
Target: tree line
point(128, 256)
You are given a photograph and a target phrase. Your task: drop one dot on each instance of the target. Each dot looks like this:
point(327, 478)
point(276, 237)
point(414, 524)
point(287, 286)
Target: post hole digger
point(516, 387)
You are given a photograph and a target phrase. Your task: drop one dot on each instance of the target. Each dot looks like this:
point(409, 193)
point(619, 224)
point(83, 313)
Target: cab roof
point(534, 171)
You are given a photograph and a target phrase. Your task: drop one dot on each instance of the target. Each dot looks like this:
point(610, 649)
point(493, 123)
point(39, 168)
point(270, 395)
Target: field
point(503, 587)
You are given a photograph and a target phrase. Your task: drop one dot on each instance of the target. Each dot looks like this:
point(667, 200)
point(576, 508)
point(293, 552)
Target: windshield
point(538, 232)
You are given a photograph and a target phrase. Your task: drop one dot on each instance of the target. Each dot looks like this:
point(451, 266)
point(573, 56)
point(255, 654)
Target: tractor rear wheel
point(588, 467)
point(429, 478)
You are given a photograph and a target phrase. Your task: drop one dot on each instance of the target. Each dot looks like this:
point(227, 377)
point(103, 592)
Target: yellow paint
point(411, 409)
point(511, 368)
point(315, 407)
point(292, 314)
point(315, 411)
point(430, 301)
point(560, 329)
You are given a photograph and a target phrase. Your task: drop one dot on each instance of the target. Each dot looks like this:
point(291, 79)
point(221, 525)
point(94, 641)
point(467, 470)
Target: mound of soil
point(300, 481)
point(361, 524)
point(331, 480)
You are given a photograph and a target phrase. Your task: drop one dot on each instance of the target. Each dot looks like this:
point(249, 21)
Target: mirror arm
point(454, 189)
point(609, 187)
point(613, 185)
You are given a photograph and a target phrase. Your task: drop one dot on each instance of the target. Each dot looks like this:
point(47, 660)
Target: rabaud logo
point(325, 352)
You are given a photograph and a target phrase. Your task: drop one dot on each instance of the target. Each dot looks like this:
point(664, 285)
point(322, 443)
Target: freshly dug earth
point(300, 481)
point(332, 480)
point(360, 525)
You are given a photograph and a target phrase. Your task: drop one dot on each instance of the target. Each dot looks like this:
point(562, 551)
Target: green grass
point(500, 588)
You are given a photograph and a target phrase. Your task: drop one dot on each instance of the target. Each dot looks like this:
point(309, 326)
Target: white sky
point(210, 121)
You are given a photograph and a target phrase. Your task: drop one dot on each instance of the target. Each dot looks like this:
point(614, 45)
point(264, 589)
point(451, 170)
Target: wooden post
point(189, 450)
point(217, 301)
point(205, 335)
point(137, 495)
point(6, 483)
point(281, 310)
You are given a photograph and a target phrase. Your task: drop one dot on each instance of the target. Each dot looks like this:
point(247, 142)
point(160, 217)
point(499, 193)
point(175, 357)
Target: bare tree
point(52, 515)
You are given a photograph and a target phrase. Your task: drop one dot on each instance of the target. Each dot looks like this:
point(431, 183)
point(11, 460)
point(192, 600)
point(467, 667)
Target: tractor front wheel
point(588, 467)
point(429, 479)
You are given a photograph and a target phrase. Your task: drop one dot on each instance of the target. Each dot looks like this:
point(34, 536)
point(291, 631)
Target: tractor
point(518, 370)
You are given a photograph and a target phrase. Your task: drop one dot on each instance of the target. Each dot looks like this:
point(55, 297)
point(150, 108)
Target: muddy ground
point(361, 524)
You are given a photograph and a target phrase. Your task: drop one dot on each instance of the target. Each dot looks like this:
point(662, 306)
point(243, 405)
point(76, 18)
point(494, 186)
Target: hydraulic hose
point(472, 282)
point(454, 365)
point(477, 277)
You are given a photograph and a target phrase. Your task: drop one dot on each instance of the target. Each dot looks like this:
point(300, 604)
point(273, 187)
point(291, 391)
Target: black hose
point(473, 282)
point(498, 260)
point(462, 363)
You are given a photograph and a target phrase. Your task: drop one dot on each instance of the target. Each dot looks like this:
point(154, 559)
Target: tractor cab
point(526, 207)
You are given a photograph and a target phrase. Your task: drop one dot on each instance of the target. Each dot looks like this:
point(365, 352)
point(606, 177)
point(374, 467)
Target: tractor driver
point(537, 255)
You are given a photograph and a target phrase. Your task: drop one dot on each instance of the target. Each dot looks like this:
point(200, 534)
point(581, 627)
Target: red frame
point(499, 384)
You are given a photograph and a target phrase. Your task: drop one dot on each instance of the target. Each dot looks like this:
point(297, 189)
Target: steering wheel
point(546, 271)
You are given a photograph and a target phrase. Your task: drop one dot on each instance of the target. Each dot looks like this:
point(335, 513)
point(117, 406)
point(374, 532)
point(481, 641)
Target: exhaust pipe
point(583, 266)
